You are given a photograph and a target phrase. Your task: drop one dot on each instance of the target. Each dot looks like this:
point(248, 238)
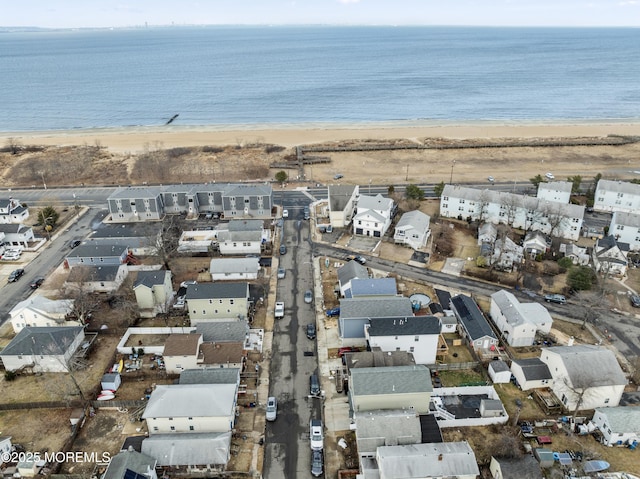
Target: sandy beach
point(134, 139)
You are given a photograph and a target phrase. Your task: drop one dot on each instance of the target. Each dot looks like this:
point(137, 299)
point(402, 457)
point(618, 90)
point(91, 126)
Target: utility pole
point(451, 177)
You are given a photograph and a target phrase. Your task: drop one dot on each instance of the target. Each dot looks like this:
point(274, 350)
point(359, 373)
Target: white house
point(610, 256)
point(154, 292)
point(499, 372)
point(584, 376)
point(189, 408)
point(11, 211)
point(416, 334)
point(97, 254)
point(5, 448)
point(523, 212)
point(130, 464)
point(17, 234)
point(558, 191)
point(373, 215)
point(242, 237)
point(487, 233)
point(413, 229)
point(342, 200)
point(38, 311)
point(199, 241)
point(577, 254)
point(618, 425)
point(385, 427)
point(234, 269)
point(518, 322)
point(625, 227)
point(612, 195)
point(217, 301)
point(97, 278)
point(181, 352)
point(350, 271)
point(43, 349)
point(503, 254)
point(453, 460)
point(535, 243)
point(531, 373)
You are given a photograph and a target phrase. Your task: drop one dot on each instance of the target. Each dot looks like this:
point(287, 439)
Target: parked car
point(338, 176)
point(75, 243)
point(281, 273)
point(36, 283)
point(308, 296)
point(329, 229)
point(186, 284)
point(549, 176)
point(332, 312)
point(491, 179)
point(15, 275)
point(279, 312)
point(635, 301)
point(272, 408)
point(555, 298)
point(283, 249)
point(311, 331)
point(357, 258)
point(316, 435)
point(307, 213)
point(11, 255)
point(316, 463)
point(285, 213)
point(346, 349)
point(314, 385)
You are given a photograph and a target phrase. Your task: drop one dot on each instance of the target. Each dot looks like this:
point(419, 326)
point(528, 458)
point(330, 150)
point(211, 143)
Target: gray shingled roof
point(386, 428)
point(151, 278)
point(471, 317)
point(192, 400)
point(47, 340)
point(93, 250)
point(626, 219)
point(217, 290)
point(524, 467)
point(375, 307)
point(390, 380)
point(622, 419)
point(129, 460)
point(564, 186)
point(415, 218)
point(351, 270)
point(377, 202)
point(587, 364)
point(534, 369)
point(210, 376)
point(618, 187)
point(88, 273)
point(224, 331)
point(189, 449)
point(441, 459)
point(404, 326)
point(373, 286)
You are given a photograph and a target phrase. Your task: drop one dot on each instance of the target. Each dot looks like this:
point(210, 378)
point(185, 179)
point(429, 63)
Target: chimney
point(439, 457)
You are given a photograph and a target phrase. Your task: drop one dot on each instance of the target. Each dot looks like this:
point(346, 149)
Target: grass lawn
point(460, 377)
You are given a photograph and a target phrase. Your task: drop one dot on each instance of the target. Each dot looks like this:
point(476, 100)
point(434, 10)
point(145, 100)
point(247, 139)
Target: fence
point(453, 366)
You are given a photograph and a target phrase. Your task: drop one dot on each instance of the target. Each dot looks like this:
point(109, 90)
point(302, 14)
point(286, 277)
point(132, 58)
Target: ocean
point(80, 79)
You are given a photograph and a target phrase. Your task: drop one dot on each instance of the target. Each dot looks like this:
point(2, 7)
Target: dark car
point(332, 312)
point(555, 298)
point(283, 249)
point(15, 275)
point(74, 243)
point(311, 331)
point(36, 283)
point(635, 301)
point(316, 463)
point(356, 258)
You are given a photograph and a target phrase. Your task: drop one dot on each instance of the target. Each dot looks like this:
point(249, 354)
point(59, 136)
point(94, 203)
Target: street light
point(451, 177)
point(76, 206)
point(47, 226)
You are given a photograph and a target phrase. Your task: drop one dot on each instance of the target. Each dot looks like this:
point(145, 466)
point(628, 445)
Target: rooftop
point(390, 380)
point(404, 326)
point(192, 400)
point(442, 459)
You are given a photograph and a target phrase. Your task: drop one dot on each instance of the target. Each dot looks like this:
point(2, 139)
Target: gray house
point(210, 376)
point(386, 428)
point(97, 254)
point(196, 450)
point(350, 271)
point(474, 326)
point(136, 203)
point(130, 464)
point(342, 199)
point(355, 313)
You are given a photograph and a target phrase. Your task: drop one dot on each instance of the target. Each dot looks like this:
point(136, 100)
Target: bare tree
point(510, 205)
point(165, 242)
point(482, 206)
point(84, 301)
point(13, 145)
point(533, 219)
point(555, 217)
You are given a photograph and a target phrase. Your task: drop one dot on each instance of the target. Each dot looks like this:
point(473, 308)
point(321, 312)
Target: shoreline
point(136, 138)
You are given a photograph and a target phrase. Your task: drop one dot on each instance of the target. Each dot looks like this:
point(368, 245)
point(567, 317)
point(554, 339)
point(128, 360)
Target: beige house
point(97, 279)
point(214, 302)
point(181, 352)
point(342, 201)
point(396, 387)
point(191, 408)
point(38, 311)
point(154, 292)
point(221, 355)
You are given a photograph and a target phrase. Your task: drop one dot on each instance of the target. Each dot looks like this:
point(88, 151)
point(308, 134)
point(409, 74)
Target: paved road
point(288, 452)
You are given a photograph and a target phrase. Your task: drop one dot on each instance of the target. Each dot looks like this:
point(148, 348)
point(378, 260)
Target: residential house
point(453, 460)
point(487, 233)
point(5, 449)
point(154, 292)
point(614, 195)
point(181, 352)
point(97, 278)
point(131, 464)
point(373, 287)
point(191, 408)
point(499, 372)
point(535, 243)
point(242, 237)
point(577, 254)
point(222, 355)
point(378, 359)
point(531, 373)
point(142, 239)
point(618, 425)
point(503, 253)
point(210, 376)
point(149, 203)
point(224, 331)
point(348, 272)
point(523, 212)
point(97, 254)
point(558, 191)
point(17, 235)
point(234, 269)
point(413, 229)
point(38, 311)
point(518, 322)
point(211, 302)
point(373, 215)
point(12, 211)
point(200, 240)
point(523, 467)
point(200, 451)
point(418, 335)
point(342, 200)
point(584, 376)
point(473, 325)
point(625, 227)
point(398, 387)
point(46, 349)
point(610, 256)
point(386, 428)
point(355, 313)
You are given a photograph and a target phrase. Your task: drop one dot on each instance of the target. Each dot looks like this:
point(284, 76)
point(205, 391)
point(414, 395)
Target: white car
point(279, 313)
point(285, 213)
point(11, 255)
point(316, 435)
point(549, 176)
point(272, 408)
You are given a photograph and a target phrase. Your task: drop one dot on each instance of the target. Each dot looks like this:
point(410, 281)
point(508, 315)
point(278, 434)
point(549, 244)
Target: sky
point(123, 13)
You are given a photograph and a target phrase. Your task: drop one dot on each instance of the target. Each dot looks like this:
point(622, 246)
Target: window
point(204, 311)
point(190, 419)
point(620, 227)
point(417, 338)
point(191, 428)
point(445, 205)
point(173, 428)
point(170, 419)
point(155, 428)
point(606, 401)
point(231, 301)
point(445, 198)
point(411, 349)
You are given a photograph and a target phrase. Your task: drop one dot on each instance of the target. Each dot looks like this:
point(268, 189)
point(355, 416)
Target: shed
point(499, 372)
point(111, 381)
point(491, 408)
point(544, 457)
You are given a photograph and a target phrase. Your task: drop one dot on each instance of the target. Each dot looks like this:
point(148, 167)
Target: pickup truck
point(279, 312)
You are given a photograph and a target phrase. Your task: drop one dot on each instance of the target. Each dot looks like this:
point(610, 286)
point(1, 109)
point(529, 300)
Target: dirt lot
point(37, 430)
